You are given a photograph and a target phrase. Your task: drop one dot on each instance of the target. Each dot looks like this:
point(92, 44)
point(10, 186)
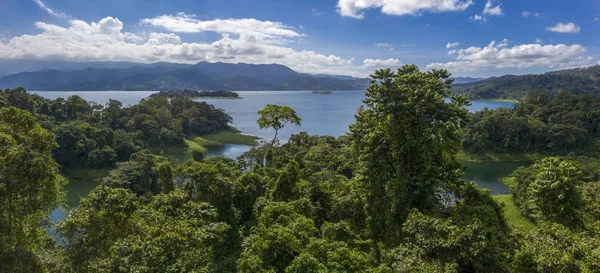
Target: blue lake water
point(321, 115)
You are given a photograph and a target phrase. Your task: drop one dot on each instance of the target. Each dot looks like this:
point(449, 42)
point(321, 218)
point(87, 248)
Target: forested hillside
point(165, 76)
point(91, 135)
point(542, 123)
point(387, 197)
point(574, 81)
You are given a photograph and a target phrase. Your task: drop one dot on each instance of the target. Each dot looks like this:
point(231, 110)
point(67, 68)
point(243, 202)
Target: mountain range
point(576, 81)
point(90, 76)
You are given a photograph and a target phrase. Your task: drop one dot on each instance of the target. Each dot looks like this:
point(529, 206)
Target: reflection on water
point(487, 175)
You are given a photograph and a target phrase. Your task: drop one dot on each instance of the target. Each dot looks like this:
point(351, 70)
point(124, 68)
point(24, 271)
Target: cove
point(329, 114)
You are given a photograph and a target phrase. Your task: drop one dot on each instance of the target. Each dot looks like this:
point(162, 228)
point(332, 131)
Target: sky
point(476, 38)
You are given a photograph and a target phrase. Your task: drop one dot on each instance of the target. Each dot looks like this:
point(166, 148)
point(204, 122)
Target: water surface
point(321, 115)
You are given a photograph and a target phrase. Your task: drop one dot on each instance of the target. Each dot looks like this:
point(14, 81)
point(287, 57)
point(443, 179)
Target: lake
point(321, 115)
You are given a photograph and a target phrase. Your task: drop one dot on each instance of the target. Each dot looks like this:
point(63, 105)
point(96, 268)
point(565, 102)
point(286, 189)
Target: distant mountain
point(8, 67)
point(167, 76)
point(463, 80)
point(576, 81)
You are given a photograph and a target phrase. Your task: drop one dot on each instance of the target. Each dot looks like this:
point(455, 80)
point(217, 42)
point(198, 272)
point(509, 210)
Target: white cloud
point(273, 32)
point(163, 39)
point(354, 8)
point(478, 17)
point(451, 45)
point(564, 28)
point(316, 12)
point(503, 43)
point(391, 62)
point(105, 41)
point(596, 19)
point(492, 10)
point(49, 10)
point(527, 14)
point(488, 10)
point(383, 45)
point(519, 56)
point(539, 41)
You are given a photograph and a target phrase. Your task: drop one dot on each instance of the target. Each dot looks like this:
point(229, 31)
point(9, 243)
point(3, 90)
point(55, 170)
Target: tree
point(29, 183)
point(553, 195)
point(30, 188)
point(165, 177)
point(406, 140)
point(276, 117)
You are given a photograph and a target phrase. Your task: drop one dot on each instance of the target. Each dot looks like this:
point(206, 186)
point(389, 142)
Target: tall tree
point(405, 140)
point(276, 117)
point(30, 187)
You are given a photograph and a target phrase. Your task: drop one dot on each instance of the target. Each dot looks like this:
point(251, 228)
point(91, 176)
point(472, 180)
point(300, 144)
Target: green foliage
point(134, 221)
point(232, 137)
point(386, 198)
point(542, 123)
point(197, 155)
point(555, 248)
point(548, 191)
point(192, 94)
point(512, 214)
point(276, 117)
point(30, 187)
point(574, 81)
point(92, 135)
point(405, 140)
point(165, 177)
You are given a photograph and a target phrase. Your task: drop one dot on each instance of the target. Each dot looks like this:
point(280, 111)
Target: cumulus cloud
point(274, 32)
point(492, 10)
point(564, 28)
point(452, 45)
point(48, 10)
point(478, 17)
point(105, 41)
point(391, 62)
point(354, 8)
point(519, 56)
point(489, 10)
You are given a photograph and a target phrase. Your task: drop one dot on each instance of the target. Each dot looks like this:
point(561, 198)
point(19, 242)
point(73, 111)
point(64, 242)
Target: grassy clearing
point(232, 136)
point(499, 157)
point(203, 142)
point(182, 154)
point(512, 214)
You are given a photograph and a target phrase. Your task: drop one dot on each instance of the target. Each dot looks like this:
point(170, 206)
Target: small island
point(324, 92)
point(193, 94)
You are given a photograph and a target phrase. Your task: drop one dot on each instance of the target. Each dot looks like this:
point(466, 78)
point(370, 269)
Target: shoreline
point(499, 157)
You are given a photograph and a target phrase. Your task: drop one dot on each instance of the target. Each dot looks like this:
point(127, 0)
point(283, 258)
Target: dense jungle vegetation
point(92, 135)
point(196, 94)
point(544, 123)
point(387, 197)
point(577, 81)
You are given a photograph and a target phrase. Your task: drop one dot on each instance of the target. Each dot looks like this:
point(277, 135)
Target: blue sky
point(477, 38)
